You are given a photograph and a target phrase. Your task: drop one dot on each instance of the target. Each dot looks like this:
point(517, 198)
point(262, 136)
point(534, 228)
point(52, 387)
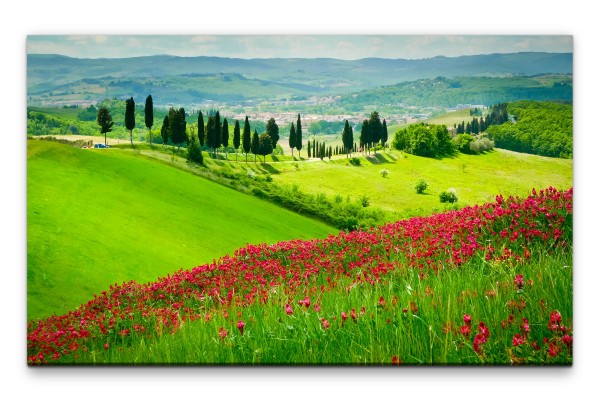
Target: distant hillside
point(450, 92)
point(186, 80)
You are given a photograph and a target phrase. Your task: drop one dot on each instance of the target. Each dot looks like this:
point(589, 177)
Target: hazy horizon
point(342, 47)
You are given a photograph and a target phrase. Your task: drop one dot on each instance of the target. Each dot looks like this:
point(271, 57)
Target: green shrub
point(449, 196)
point(421, 186)
point(355, 161)
point(384, 173)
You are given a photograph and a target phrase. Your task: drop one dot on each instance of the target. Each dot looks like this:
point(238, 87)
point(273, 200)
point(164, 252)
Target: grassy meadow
point(96, 217)
point(476, 178)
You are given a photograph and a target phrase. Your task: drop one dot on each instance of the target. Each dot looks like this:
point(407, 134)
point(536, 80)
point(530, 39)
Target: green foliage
point(298, 134)
point(225, 134)
point(265, 145)
point(177, 126)
point(255, 146)
point(462, 142)
point(130, 117)
point(201, 133)
point(272, 129)
point(194, 151)
point(246, 141)
point(347, 137)
point(165, 130)
point(448, 196)
point(541, 128)
point(384, 173)
point(88, 114)
point(421, 186)
point(355, 161)
point(325, 127)
point(292, 138)
point(105, 121)
point(424, 140)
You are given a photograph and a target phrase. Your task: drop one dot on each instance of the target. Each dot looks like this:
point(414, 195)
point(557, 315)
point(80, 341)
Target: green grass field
point(96, 217)
point(476, 178)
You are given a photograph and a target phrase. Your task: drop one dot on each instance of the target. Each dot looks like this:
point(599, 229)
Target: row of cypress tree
point(215, 133)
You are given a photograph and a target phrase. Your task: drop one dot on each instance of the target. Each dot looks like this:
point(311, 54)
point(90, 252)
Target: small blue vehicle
point(101, 146)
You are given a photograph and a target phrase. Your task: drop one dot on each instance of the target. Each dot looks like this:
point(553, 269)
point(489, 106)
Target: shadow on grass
point(380, 158)
point(267, 168)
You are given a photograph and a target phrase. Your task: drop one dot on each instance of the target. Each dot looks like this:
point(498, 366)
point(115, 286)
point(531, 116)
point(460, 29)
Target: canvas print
point(316, 200)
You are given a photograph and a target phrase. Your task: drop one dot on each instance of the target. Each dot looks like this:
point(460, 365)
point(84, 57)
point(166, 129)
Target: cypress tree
point(217, 137)
point(177, 125)
point(236, 137)
point(246, 142)
point(105, 121)
point(375, 130)
point(315, 148)
point(225, 137)
point(329, 152)
point(255, 147)
point(384, 133)
point(201, 133)
point(210, 133)
point(308, 148)
point(130, 117)
point(292, 140)
point(365, 137)
point(272, 130)
point(298, 135)
point(149, 115)
point(164, 131)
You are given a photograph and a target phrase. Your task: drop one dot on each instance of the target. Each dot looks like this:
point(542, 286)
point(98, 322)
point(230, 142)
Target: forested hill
point(540, 128)
point(449, 92)
point(59, 78)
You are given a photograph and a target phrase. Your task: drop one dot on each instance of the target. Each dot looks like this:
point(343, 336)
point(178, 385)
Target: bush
point(421, 186)
point(384, 173)
point(355, 161)
point(449, 196)
point(194, 154)
point(364, 200)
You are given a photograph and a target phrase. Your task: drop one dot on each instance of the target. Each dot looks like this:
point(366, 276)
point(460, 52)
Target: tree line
point(214, 134)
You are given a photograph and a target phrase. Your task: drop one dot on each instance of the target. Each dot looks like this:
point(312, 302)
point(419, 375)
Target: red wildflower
point(288, 309)
point(325, 323)
point(467, 319)
point(396, 360)
point(222, 332)
point(306, 302)
point(344, 317)
point(240, 327)
point(381, 302)
point(525, 327)
point(553, 350)
point(519, 281)
point(353, 315)
point(477, 341)
point(362, 310)
point(567, 340)
point(483, 329)
point(555, 319)
point(465, 330)
point(518, 340)
point(105, 345)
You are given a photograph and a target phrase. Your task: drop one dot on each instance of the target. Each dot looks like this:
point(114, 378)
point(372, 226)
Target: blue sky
point(303, 46)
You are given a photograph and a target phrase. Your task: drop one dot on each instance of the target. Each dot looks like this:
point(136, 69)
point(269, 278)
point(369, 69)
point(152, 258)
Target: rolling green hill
point(96, 217)
point(450, 92)
point(476, 178)
point(55, 78)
